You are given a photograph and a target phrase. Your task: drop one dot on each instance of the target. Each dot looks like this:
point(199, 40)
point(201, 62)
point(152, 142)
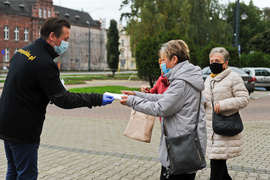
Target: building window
point(122, 62)
point(122, 54)
point(6, 56)
point(15, 50)
point(49, 13)
point(40, 13)
point(26, 35)
point(45, 13)
point(16, 33)
point(6, 33)
point(122, 43)
point(132, 64)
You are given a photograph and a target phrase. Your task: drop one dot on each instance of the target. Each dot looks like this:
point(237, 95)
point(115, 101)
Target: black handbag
point(226, 125)
point(184, 152)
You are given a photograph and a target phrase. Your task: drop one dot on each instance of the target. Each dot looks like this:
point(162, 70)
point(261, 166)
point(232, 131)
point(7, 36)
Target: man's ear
point(51, 36)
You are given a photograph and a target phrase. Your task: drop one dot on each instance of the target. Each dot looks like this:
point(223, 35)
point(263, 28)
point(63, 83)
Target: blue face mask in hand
point(107, 99)
point(164, 69)
point(62, 48)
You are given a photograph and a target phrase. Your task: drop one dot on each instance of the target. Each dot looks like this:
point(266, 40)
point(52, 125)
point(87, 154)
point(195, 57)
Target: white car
point(261, 76)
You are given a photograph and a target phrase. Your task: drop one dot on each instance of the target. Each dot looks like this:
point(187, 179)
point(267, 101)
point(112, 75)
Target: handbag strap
point(197, 120)
point(212, 94)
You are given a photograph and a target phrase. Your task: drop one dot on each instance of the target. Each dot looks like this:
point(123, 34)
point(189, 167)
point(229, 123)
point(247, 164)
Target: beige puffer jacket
point(229, 90)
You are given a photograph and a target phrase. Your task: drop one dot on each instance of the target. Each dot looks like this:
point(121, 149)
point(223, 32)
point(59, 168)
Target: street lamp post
point(237, 25)
point(89, 46)
point(243, 17)
point(89, 38)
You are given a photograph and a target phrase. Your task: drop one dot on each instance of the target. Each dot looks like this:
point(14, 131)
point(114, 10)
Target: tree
point(260, 42)
point(113, 47)
point(149, 18)
point(234, 57)
point(255, 59)
point(247, 28)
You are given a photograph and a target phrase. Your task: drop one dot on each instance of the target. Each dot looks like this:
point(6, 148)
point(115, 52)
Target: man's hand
point(107, 99)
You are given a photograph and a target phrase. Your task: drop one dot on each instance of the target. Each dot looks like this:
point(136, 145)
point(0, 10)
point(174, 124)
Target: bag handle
point(197, 121)
point(212, 95)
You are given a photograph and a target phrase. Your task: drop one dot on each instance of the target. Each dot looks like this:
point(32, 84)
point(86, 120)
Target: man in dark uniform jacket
point(32, 81)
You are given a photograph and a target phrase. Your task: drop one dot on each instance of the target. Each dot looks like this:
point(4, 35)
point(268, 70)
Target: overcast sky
point(109, 9)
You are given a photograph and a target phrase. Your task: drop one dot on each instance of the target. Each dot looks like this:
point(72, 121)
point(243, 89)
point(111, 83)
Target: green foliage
point(103, 89)
point(113, 46)
point(204, 56)
point(247, 28)
point(234, 57)
point(200, 25)
point(260, 42)
point(256, 59)
point(146, 56)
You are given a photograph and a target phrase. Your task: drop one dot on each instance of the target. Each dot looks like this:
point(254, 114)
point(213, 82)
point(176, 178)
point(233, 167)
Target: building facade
point(20, 23)
point(126, 61)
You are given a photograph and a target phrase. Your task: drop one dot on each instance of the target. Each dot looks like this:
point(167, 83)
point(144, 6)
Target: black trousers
point(219, 170)
point(176, 177)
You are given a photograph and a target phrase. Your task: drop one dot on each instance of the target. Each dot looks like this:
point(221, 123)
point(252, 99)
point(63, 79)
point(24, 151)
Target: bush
point(256, 59)
point(204, 54)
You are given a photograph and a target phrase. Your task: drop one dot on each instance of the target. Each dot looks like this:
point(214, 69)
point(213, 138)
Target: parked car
point(261, 75)
point(248, 80)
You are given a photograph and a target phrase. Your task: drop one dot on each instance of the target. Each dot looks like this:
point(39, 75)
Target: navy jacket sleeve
point(56, 92)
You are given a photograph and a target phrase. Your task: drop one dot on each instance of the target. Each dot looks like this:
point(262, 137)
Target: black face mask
point(216, 68)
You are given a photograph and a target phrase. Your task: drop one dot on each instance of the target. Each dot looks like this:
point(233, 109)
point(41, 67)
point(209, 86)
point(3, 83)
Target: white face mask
point(62, 48)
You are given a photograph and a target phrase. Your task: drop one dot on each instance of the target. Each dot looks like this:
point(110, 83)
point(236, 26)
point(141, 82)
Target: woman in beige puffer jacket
point(229, 95)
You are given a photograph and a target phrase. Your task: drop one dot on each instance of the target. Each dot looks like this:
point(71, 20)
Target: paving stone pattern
point(88, 144)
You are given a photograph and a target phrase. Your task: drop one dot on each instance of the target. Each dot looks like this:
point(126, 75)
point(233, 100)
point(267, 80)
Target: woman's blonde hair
point(176, 48)
point(221, 50)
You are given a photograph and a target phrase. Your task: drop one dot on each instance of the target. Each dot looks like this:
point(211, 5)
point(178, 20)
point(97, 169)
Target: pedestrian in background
point(229, 93)
point(178, 105)
point(161, 86)
point(32, 81)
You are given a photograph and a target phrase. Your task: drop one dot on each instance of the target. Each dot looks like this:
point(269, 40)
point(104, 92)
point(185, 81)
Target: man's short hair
point(53, 24)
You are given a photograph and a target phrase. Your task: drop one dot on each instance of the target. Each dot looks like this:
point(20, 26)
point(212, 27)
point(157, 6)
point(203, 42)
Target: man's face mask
point(62, 48)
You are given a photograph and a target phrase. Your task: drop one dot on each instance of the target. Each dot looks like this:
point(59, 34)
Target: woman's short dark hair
point(53, 24)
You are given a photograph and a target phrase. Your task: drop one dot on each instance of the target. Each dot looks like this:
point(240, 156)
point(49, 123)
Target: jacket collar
point(223, 74)
point(47, 46)
point(164, 80)
point(170, 75)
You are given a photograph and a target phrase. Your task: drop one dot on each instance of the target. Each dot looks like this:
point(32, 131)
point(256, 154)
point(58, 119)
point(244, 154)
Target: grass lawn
point(103, 89)
point(80, 79)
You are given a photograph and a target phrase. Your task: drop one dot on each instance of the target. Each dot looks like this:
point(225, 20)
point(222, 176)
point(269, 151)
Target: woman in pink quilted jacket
point(160, 87)
point(229, 95)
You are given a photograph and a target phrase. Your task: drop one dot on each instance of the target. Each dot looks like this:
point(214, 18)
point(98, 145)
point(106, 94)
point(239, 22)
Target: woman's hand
point(144, 89)
point(128, 92)
point(124, 100)
point(217, 108)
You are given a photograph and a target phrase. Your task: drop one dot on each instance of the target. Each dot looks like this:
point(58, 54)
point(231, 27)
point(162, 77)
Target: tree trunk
point(151, 82)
